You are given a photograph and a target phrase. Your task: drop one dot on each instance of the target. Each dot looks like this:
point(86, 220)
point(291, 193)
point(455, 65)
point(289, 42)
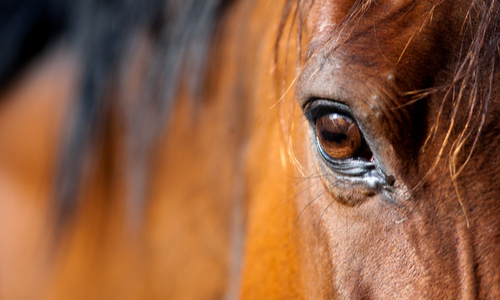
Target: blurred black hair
point(26, 28)
point(102, 33)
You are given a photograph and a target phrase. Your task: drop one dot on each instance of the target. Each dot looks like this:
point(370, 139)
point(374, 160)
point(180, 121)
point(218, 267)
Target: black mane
point(103, 32)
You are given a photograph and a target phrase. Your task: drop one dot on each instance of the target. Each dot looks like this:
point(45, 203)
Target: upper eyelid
point(315, 108)
point(315, 100)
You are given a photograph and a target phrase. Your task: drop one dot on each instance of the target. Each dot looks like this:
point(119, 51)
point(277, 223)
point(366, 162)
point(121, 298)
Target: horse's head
point(145, 154)
point(401, 198)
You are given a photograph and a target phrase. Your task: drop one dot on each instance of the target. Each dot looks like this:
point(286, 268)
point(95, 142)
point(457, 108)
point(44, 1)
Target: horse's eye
point(338, 136)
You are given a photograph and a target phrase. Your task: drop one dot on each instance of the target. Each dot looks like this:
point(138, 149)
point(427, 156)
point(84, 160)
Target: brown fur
point(238, 203)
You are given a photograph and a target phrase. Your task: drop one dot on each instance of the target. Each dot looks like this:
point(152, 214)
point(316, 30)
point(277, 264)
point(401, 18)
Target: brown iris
point(338, 136)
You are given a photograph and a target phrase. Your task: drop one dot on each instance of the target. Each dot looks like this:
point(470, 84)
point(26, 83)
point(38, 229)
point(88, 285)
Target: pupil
point(334, 137)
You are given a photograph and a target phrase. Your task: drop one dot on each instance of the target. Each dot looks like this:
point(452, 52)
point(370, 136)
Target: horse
point(250, 149)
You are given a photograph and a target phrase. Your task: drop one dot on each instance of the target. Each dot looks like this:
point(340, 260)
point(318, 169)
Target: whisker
point(299, 193)
point(319, 222)
point(310, 202)
point(304, 209)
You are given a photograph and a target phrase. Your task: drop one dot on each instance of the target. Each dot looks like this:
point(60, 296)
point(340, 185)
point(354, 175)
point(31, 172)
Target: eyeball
point(338, 136)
